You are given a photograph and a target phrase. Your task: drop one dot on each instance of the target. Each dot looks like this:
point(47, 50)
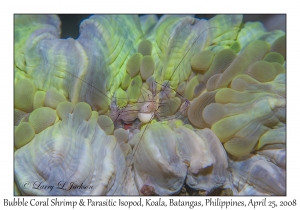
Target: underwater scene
point(149, 105)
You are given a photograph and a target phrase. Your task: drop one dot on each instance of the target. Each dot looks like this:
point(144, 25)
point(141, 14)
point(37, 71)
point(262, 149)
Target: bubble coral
point(216, 87)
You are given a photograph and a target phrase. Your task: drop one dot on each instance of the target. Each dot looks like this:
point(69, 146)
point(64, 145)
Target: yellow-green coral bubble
point(133, 64)
point(39, 98)
point(255, 51)
point(227, 95)
point(212, 82)
point(64, 109)
point(242, 82)
point(201, 61)
point(53, 98)
point(213, 113)
point(220, 63)
point(273, 136)
point(126, 81)
point(274, 57)
point(24, 133)
point(227, 127)
point(245, 139)
point(134, 89)
point(240, 146)
point(262, 71)
point(280, 46)
point(24, 95)
point(196, 109)
point(181, 87)
point(100, 102)
point(106, 124)
point(147, 67)
point(189, 90)
point(42, 118)
point(279, 68)
point(82, 111)
point(199, 89)
point(121, 97)
point(145, 47)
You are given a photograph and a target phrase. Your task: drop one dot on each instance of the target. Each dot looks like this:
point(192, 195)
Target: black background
point(71, 22)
